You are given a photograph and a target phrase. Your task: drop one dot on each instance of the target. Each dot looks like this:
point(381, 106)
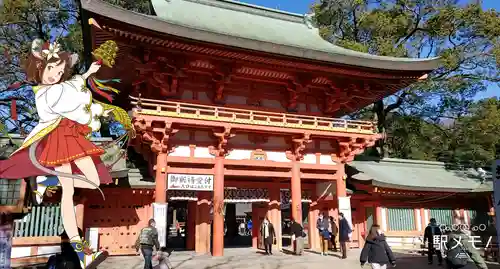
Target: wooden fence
point(42, 221)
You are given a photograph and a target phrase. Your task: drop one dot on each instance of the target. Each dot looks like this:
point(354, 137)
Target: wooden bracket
point(299, 145)
point(221, 149)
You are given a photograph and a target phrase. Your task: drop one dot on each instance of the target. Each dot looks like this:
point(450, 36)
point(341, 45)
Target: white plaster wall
point(19, 252)
point(181, 151)
point(309, 158)
point(187, 95)
point(277, 156)
point(419, 217)
point(202, 152)
point(326, 159)
point(384, 218)
point(239, 154)
point(426, 216)
point(48, 250)
point(406, 242)
point(236, 100)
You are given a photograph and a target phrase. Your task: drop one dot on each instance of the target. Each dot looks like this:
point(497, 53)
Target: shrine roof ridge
point(418, 175)
point(252, 27)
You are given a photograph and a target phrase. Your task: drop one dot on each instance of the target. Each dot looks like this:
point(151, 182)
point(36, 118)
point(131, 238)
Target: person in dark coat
point(268, 235)
point(297, 232)
point(376, 251)
point(344, 231)
point(322, 224)
point(431, 231)
point(334, 231)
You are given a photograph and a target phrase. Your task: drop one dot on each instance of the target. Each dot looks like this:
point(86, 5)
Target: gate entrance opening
point(177, 215)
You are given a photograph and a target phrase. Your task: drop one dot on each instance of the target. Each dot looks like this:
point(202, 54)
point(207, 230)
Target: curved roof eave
point(319, 49)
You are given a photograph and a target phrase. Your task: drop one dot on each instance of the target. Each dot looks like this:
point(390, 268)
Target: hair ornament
point(52, 51)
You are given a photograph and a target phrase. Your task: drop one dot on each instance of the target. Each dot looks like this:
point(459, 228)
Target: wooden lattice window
point(10, 191)
point(443, 216)
point(401, 219)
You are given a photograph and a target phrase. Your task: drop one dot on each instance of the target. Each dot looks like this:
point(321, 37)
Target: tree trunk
point(380, 115)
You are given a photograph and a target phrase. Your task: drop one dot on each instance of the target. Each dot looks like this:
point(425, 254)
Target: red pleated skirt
point(67, 143)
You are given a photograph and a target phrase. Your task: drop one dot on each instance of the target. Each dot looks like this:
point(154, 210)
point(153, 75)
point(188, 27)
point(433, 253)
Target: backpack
point(457, 257)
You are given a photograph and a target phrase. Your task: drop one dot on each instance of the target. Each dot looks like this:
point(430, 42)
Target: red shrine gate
point(245, 105)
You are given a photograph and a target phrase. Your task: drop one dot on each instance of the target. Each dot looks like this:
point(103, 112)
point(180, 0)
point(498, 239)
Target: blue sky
point(302, 7)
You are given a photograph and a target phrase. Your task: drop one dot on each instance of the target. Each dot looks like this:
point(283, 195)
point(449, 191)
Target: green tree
point(474, 138)
point(466, 37)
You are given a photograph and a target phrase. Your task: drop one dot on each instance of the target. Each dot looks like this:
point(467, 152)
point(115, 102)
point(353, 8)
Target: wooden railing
point(242, 116)
point(41, 221)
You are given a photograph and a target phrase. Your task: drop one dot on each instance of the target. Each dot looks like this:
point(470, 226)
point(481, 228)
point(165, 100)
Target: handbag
point(325, 234)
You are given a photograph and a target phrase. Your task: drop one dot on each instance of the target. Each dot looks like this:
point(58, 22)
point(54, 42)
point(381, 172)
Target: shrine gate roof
point(418, 176)
point(251, 27)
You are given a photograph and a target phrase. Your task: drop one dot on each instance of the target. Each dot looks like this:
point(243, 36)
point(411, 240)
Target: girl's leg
point(87, 166)
point(68, 214)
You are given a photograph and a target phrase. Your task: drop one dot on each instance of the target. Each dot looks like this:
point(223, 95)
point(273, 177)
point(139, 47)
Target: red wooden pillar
point(296, 193)
point(218, 200)
point(202, 229)
point(313, 233)
point(161, 178)
point(255, 225)
point(274, 212)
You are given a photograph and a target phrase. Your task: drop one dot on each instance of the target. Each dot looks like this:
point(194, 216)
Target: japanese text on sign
point(190, 182)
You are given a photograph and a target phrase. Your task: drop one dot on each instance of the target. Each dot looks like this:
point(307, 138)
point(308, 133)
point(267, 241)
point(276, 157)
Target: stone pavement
point(248, 258)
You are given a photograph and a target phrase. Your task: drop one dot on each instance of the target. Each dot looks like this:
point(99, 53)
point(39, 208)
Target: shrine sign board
point(190, 182)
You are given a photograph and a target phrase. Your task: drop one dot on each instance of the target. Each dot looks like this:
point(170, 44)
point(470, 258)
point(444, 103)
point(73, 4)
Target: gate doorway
point(238, 225)
point(177, 218)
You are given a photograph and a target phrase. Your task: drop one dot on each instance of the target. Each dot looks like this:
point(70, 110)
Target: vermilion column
point(161, 178)
point(202, 229)
point(274, 212)
point(218, 221)
point(296, 193)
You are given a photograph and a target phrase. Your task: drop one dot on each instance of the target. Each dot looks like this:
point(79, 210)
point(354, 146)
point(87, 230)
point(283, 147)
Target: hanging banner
point(495, 171)
point(345, 208)
point(160, 217)
point(5, 245)
point(190, 182)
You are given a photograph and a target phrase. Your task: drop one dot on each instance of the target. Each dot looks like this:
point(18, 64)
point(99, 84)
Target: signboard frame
point(190, 182)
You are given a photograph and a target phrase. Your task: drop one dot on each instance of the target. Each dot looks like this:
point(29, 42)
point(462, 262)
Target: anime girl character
point(57, 150)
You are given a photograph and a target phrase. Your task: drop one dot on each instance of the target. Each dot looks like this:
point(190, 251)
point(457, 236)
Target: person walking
point(461, 253)
point(297, 232)
point(376, 251)
point(147, 239)
point(268, 235)
point(431, 231)
point(334, 230)
point(322, 225)
point(344, 232)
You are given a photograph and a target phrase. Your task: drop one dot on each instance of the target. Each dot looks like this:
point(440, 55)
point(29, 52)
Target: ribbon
point(97, 86)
